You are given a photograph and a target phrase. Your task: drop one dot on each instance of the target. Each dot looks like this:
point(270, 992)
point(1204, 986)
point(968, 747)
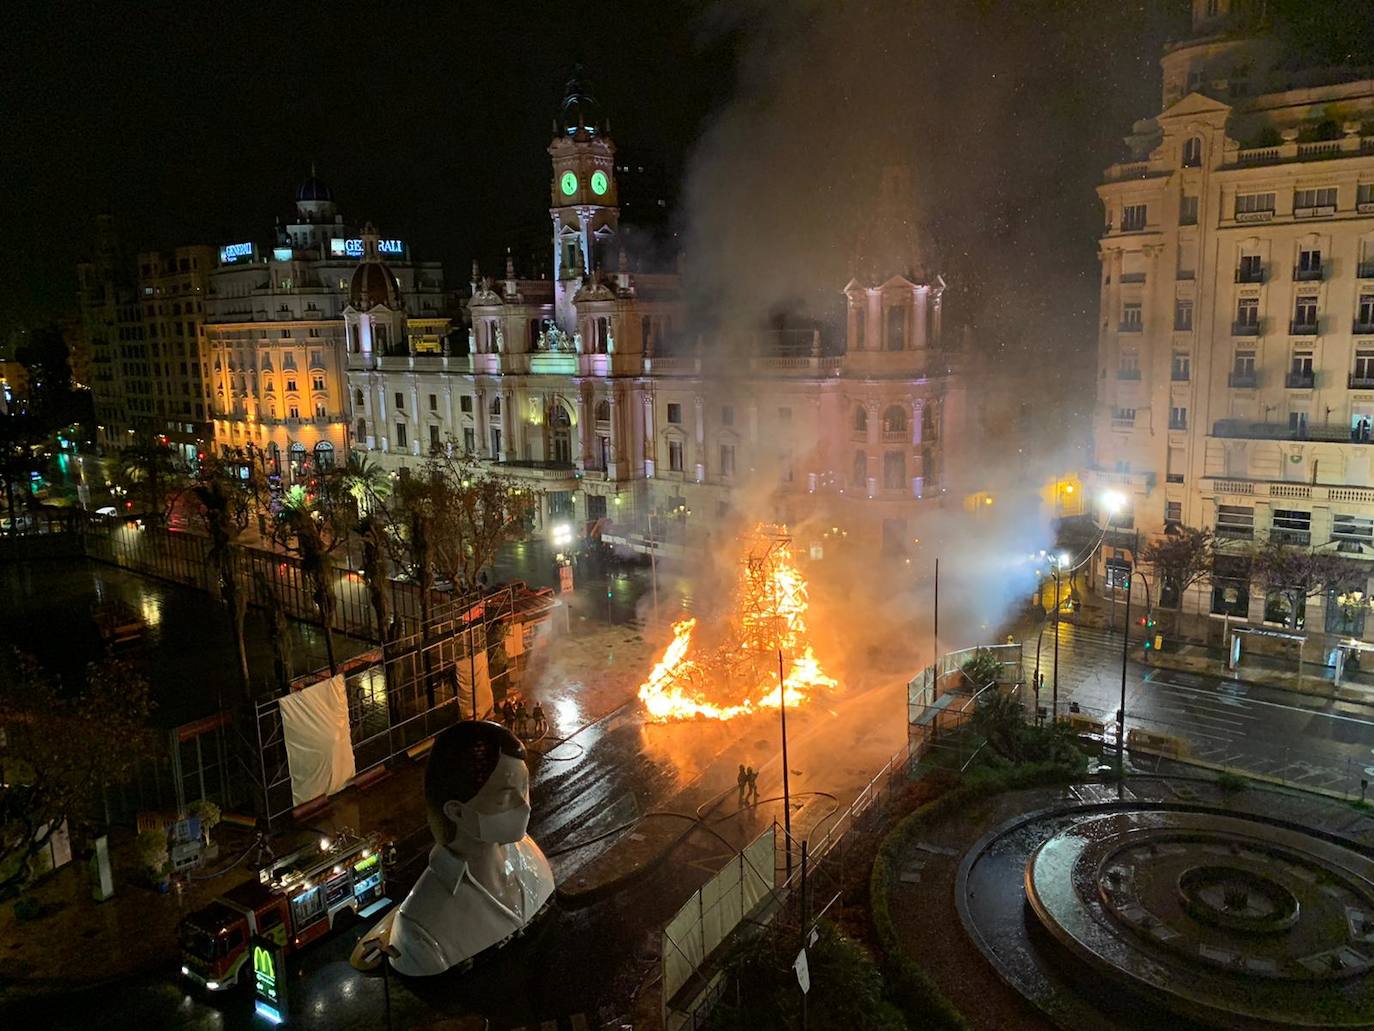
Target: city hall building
point(591, 388)
point(1236, 354)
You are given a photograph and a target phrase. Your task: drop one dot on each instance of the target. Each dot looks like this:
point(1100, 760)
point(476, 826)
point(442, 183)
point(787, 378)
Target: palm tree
point(153, 471)
point(305, 531)
point(223, 509)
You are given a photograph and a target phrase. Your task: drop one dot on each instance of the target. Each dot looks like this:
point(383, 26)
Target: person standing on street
point(753, 777)
point(743, 784)
point(541, 722)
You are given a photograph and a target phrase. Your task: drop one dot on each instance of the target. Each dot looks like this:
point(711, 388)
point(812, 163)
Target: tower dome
point(580, 110)
point(373, 284)
point(313, 189)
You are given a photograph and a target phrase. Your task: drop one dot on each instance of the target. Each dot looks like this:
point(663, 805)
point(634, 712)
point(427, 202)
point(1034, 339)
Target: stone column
point(479, 402)
point(650, 441)
point(507, 425)
point(918, 406)
point(698, 407)
point(583, 431)
point(614, 460)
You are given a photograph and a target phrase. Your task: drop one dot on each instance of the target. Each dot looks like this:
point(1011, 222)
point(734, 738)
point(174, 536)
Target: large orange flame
point(770, 616)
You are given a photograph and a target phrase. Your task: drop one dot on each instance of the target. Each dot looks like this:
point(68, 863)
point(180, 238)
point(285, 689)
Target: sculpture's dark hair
point(463, 757)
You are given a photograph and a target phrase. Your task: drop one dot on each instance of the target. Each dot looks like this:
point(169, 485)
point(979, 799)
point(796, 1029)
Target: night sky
point(193, 122)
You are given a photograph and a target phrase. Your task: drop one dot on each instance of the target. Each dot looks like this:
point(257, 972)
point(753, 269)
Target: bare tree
point(1180, 559)
point(1296, 574)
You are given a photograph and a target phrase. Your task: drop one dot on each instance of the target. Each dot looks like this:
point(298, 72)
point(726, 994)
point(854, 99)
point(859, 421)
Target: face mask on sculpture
point(500, 812)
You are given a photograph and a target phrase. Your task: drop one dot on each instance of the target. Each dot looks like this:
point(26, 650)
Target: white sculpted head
point(477, 786)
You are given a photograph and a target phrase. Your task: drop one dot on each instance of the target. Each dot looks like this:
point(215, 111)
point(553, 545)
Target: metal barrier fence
point(464, 662)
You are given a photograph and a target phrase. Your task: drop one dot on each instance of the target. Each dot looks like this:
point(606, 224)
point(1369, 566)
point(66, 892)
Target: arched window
point(560, 435)
point(362, 430)
point(894, 419)
point(894, 470)
point(296, 457)
point(358, 398)
point(495, 407)
point(930, 422)
point(895, 337)
point(859, 475)
point(860, 419)
point(1192, 152)
point(603, 411)
point(267, 384)
point(324, 456)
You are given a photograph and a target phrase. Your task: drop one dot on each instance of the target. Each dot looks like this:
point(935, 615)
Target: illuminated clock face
point(599, 183)
point(568, 184)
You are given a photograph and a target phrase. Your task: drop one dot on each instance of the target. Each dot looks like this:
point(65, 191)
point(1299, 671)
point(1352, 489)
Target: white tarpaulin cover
point(715, 910)
point(314, 725)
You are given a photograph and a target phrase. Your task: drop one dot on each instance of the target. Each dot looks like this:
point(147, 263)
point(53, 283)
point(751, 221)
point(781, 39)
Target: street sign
point(803, 971)
point(269, 979)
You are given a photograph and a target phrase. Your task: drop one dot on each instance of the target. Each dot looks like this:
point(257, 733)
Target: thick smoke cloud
point(1005, 114)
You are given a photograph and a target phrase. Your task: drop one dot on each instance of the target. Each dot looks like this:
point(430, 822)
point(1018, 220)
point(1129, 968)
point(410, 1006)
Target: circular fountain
point(1224, 919)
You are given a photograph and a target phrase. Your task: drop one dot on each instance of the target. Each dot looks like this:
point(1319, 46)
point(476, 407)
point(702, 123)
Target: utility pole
point(936, 654)
point(786, 792)
point(1125, 652)
point(1054, 704)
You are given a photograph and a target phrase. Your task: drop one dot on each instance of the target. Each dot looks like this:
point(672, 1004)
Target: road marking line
point(1305, 710)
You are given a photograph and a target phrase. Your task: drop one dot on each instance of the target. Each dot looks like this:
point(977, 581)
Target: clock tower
point(583, 198)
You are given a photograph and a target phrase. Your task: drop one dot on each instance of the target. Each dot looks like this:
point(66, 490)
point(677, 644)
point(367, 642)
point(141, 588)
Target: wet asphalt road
point(1307, 740)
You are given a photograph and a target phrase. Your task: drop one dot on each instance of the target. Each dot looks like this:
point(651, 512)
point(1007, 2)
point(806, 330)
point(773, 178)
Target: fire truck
point(294, 901)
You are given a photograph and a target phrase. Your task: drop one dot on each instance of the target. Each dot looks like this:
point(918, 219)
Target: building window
point(1131, 318)
point(1178, 463)
point(1183, 314)
point(1173, 513)
point(293, 412)
point(1305, 311)
point(1236, 522)
point(895, 338)
point(674, 414)
point(1300, 371)
point(1364, 365)
point(290, 386)
point(894, 419)
point(1180, 370)
point(1192, 152)
point(400, 434)
point(1352, 528)
point(1178, 418)
point(1292, 526)
point(727, 415)
point(433, 437)
point(860, 419)
point(362, 430)
point(357, 398)
point(465, 404)
point(495, 443)
point(1364, 319)
point(324, 456)
point(1297, 423)
point(1255, 207)
point(894, 470)
point(560, 504)
point(1128, 365)
point(1133, 218)
point(675, 456)
point(1187, 211)
point(1247, 313)
point(1251, 269)
point(469, 440)
point(1231, 577)
point(320, 411)
point(727, 461)
point(1123, 418)
point(1307, 203)
point(433, 402)
point(859, 473)
point(1364, 194)
point(317, 384)
point(1309, 267)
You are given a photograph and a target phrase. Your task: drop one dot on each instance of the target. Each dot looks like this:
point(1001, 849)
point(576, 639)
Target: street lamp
point(1112, 502)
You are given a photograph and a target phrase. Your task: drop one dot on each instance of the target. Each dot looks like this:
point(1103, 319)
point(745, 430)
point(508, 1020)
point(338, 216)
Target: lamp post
point(1112, 502)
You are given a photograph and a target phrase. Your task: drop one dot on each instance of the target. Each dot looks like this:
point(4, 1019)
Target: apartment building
point(1236, 344)
point(275, 335)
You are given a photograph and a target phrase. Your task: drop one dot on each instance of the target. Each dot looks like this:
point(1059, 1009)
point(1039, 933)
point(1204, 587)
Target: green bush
point(846, 987)
point(1231, 782)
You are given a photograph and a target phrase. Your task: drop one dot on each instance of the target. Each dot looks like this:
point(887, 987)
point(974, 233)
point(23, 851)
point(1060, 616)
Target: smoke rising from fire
point(1004, 114)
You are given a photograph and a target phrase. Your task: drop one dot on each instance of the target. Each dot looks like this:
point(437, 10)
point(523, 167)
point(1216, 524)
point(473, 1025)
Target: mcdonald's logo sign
point(262, 962)
point(267, 986)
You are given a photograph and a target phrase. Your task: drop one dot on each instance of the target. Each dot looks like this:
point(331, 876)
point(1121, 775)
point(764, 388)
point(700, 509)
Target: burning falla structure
point(736, 669)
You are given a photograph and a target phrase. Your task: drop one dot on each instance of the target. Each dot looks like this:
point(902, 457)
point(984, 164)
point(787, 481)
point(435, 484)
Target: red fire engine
point(294, 901)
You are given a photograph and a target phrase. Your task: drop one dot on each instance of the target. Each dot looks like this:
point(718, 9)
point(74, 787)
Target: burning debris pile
point(737, 672)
